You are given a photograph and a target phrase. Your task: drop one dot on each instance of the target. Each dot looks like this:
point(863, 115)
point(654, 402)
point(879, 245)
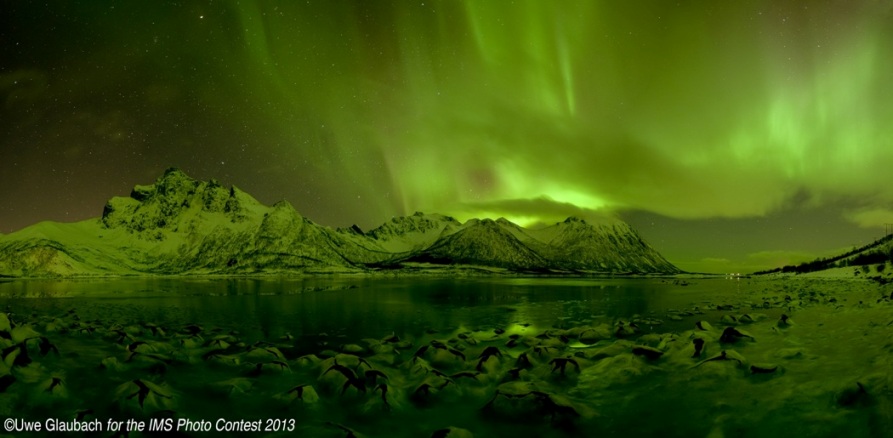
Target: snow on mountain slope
point(216, 230)
point(413, 233)
point(36, 251)
point(525, 236)
point(573, 245)
point(482, 242)
point(179, 225)
point(606, 247)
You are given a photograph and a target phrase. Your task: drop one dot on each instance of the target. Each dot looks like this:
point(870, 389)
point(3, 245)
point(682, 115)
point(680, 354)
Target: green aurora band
point(535, 110)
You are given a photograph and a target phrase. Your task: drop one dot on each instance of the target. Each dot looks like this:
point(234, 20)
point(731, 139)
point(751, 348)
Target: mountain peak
point(179, 225)
point(284, 205)
point(173, 171)
point(406, 233)
point(355, 229)
point(482, 242)
point(161, 204)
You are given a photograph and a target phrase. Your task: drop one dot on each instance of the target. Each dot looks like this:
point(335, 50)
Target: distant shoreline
point(433, 273)
point(446, 271)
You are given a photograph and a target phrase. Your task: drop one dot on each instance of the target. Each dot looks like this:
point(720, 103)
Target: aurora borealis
point(732, 135)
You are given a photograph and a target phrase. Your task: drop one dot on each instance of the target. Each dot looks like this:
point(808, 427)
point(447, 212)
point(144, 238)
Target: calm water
point(360, 308)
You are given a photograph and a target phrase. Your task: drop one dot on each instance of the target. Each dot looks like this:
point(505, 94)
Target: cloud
point(753, 262)
point(772, 259)
point(524, 110)
point(527, 212)
point(871, 217)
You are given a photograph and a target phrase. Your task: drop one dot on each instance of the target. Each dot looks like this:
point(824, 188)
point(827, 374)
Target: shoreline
point(741, 383)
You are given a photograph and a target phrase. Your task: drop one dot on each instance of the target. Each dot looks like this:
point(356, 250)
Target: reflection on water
point(355, 308)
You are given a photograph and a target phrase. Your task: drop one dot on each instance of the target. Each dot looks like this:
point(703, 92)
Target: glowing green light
point(453, 104)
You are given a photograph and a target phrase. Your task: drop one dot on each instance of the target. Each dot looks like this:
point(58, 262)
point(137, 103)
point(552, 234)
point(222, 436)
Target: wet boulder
point(235, 387)
point(300, 395)
point(591, 335)
point(620, 370)
point(144, 396)
point(520, 401)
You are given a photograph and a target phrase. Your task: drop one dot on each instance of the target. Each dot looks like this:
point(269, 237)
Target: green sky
point(733, 135)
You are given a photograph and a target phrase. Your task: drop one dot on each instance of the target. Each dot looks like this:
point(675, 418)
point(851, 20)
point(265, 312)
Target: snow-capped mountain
point(573, 245)
point(179, 225)
point(413, 233)
point(482, 242)
point(609, 246)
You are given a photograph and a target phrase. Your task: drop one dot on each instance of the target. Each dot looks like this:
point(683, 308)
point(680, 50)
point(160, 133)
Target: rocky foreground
point(804, 358)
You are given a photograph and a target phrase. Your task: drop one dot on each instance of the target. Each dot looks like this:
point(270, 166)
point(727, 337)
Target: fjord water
point(831, 367)
point(356, 308)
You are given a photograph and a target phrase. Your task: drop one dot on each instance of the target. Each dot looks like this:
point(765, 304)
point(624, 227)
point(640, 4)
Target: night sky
point(734, 136)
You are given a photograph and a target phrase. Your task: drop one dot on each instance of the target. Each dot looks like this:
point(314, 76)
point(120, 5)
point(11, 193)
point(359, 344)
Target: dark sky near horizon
point(734, 136)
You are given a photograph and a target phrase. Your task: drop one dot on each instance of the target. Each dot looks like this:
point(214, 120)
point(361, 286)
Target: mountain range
point(180, 225)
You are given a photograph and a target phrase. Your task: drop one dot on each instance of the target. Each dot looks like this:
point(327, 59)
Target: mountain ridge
point(877, 253)
point(182, 226)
